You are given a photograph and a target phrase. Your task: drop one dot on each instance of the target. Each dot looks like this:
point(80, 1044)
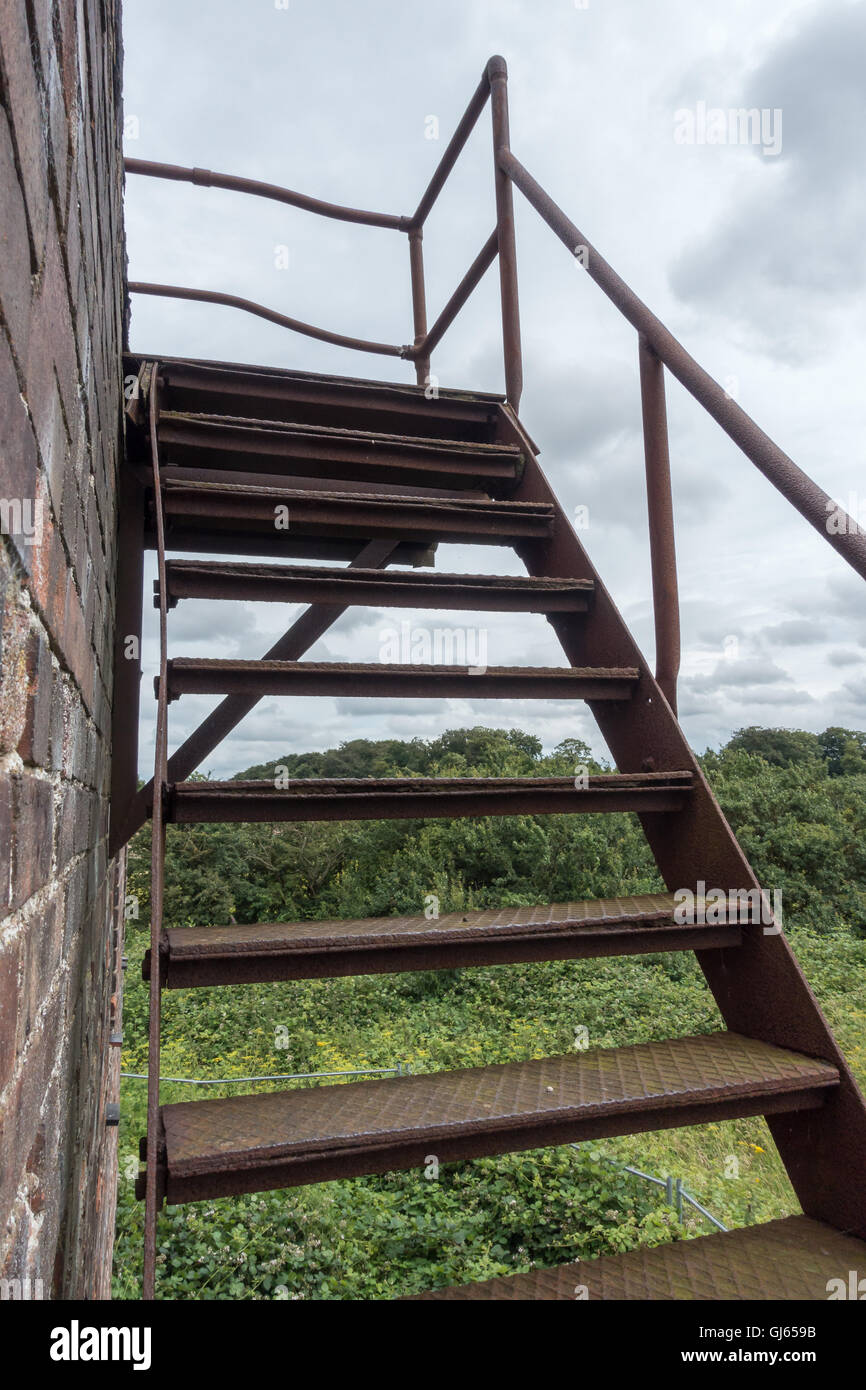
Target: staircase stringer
point(758, 986)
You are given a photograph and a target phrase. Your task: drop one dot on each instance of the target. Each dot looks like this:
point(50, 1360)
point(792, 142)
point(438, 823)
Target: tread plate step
point(384, 588)
point(283, 1138)
point(284, 513)
point(398, 798)
point(273, 394)
point(213, 676)
point(264, 951)
point(792, 1258)
point(221, 441)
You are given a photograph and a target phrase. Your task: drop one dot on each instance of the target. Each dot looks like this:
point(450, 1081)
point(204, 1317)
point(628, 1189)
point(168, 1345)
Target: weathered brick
point(35, 739)
point(58, 135)
point(18, 462)
point(5, 841)
point(33, 809)
point(10, 964)
point(25, 104)
point(41, 937)
point(15, 675)
point(15, 262)
point(50, 325)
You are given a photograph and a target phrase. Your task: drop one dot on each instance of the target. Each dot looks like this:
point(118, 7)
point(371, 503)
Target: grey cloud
point(744, 674)
point(844, 656)
point(801, 233)
point(795, 632)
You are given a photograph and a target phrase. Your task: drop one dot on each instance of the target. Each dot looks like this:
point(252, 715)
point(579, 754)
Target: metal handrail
point(206, 178)
point(236, 302)
point(492, 81)
point(658, 348)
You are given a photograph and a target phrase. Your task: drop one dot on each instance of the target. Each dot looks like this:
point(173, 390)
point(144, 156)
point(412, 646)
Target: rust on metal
point(663, 556)
point(266, 951)
point(419, 304)
point(206, 178)
point(497, 72)
point(398, 798)
point(284, 1138)
point(791, 1259)
point(215, 676)
point(212, 579)
point(355, 516)
point(236, 301)
point(272, 393)
point(317, 450)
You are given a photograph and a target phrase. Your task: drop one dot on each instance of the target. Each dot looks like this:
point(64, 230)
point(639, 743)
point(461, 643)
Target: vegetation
point(796, 802)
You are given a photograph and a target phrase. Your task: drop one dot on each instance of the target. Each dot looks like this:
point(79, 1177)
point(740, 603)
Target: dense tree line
point(795, 800)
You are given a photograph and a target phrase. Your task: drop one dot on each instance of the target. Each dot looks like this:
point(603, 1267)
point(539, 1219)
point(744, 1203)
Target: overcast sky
point(754, 256)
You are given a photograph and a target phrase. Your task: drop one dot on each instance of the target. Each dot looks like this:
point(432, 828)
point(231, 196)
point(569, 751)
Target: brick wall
point(61, 302)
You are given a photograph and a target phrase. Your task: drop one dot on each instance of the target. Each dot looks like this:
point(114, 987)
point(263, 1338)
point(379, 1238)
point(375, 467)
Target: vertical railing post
point(497, 72)
point(419, 300)
point(663, 558)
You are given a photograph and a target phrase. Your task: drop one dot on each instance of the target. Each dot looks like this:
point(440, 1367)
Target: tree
point(844, 750)
point(778, 747)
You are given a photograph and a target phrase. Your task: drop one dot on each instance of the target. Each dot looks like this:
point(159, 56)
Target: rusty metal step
point(212, 676)
point(223, 442)
point(305, 397)
point(377, 588)
point(264, 951)
point(399, 798)
point(281, 1139)
point(792, 1258)
point(281, 516)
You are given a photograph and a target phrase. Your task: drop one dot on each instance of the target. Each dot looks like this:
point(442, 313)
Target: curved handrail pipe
point(207, 178)
point(234, 301)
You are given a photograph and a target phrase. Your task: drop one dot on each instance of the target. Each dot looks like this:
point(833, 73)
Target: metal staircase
point(381, 475)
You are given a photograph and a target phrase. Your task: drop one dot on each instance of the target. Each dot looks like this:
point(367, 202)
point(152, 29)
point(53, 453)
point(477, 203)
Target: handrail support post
point(663, 557)
point(497, 72)
point(419, 301)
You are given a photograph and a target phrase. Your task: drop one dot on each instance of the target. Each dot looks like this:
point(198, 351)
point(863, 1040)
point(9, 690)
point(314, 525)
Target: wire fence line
point(676, 1194)
point(400, 1069)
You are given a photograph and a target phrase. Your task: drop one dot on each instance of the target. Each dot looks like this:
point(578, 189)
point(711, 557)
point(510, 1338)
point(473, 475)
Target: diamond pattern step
point(217, 441)
point(792, 1258)
point(377, 588)
point(418, 798)
point(210, 676)
point(258, 1142)
point(263, 951)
